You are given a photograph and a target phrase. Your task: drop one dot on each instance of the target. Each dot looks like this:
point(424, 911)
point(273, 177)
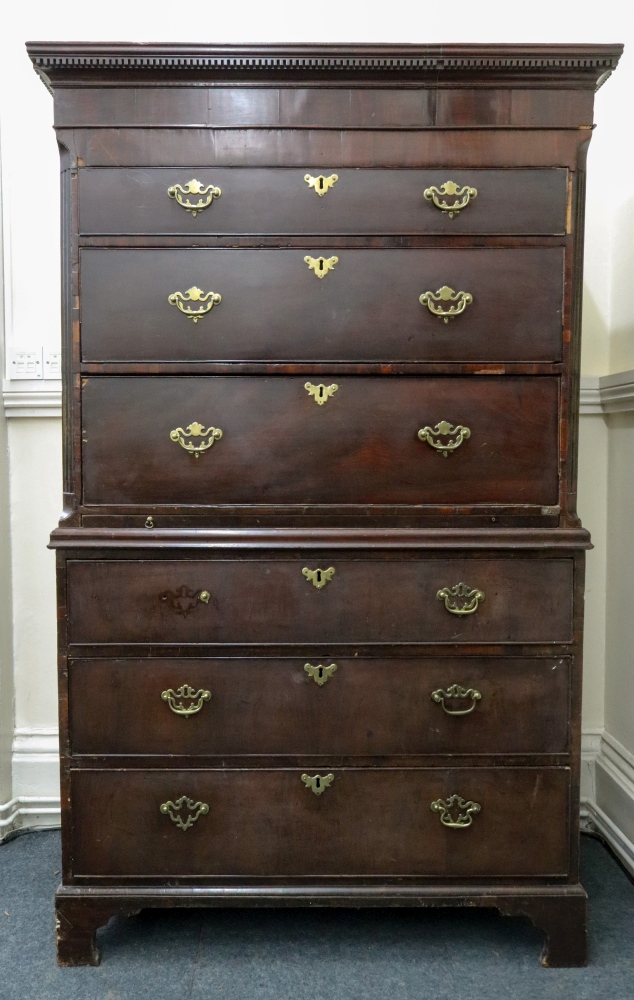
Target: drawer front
point(365, 308)
point(365, 822)
point(281, 444)
point(280, 200)
point(300, 706)
point(274, 601)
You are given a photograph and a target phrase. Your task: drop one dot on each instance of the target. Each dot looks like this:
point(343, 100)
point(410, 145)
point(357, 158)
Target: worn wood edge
point(378, 895)
point(349, 538)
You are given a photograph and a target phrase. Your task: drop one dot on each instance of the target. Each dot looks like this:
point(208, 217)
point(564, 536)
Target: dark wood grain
point(349, 315)
point(120, 831)
point(364, 708)
point(280, 446)
point(291, 484)
point(361, 201)
point(365, 601)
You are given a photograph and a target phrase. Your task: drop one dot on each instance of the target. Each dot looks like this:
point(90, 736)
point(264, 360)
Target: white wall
point(29, 175)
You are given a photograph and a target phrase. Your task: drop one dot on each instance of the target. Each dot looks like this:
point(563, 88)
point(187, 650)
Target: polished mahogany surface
point(320, 571)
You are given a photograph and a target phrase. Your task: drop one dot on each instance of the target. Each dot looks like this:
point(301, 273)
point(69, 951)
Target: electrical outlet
point(26, 364)
point(52, 365)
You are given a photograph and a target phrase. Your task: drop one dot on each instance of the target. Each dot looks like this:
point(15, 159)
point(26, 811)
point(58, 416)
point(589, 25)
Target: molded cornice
point(585, 66)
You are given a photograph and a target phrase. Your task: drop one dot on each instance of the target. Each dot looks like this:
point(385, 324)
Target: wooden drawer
point(366, 308)
point(273, 601)
point(278, 200)
point(367, 822)
point(320, 707)
point(280, 445)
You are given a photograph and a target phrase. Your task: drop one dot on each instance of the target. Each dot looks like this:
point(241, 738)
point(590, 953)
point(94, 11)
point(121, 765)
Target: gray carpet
point(307, 955)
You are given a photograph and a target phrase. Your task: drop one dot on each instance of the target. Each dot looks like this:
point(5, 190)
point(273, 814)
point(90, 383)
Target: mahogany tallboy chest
point(320, 568)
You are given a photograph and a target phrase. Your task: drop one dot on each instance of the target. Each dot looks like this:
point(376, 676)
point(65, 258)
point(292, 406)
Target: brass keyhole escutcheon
point(321, 265)
point(319, 673)
point(318, 783)
point(321, 184)
point(321, 393)
point(319, 577)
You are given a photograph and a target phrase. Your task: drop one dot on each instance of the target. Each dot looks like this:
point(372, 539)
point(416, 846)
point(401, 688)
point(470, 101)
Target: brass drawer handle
point(454, 691)
point(321, 393)
point(469, 599)
point(194, 809)
point(321, 184)
point(194, 294)
point(184, 600)
point(176, 699)
point(318, 783)
point(453, 190)
point(466, 812)
point(433, 435)
point(319, 577)
point(207, 195)
point(195, 430)
point(320, 674)
point(446, 294)
point(321, 265)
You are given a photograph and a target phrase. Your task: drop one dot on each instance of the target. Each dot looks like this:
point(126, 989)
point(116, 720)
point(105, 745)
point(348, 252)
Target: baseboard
point(36, 800)
point(607, 801)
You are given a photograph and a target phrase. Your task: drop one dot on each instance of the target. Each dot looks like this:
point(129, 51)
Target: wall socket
point(35, 365)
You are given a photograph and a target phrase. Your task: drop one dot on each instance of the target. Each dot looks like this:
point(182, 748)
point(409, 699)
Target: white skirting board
point(607, 788)
point(36, 801)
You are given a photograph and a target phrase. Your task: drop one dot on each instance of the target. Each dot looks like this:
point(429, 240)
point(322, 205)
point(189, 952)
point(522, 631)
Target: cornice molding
point(581, 65)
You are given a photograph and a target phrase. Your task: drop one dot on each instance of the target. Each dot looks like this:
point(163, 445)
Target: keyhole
point(321, 673)
point(318, 576)
point(317, 782)
point(321, 391)
point(321, 183)
point(321, 263)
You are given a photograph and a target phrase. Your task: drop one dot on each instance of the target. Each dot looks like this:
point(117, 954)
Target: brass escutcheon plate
point(321, 265)
point(321, 393)
point(318, 783)
point(321, 184)
point(319, 577)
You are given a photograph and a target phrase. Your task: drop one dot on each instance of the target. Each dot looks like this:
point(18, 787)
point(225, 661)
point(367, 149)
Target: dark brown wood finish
point(366, 822)
point(339, 706)
point(365, 601)
point(348, 315)
point(294, 485)
point(254, 201)
point(280, 446)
